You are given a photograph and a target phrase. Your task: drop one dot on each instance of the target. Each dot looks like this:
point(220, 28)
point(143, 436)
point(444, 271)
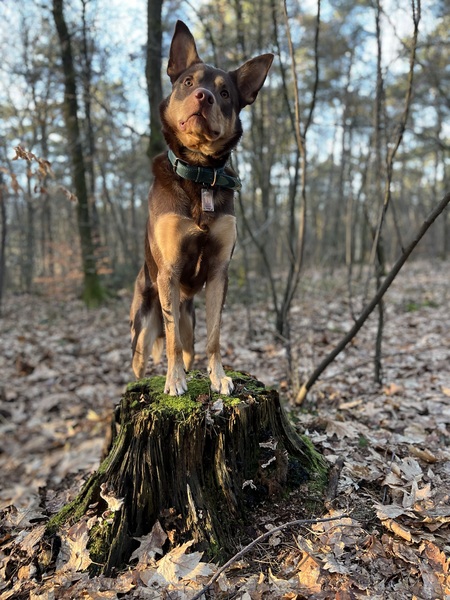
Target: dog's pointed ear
point(250, 77)
point(183, 52)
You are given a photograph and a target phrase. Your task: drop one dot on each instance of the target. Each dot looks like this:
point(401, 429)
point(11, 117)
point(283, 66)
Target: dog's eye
point(225, 94)
point(188, 82)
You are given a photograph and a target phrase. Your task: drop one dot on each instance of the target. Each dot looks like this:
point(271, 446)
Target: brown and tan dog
point(191, 230)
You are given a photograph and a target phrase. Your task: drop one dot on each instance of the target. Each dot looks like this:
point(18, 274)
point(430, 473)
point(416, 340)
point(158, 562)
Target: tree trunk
point(93, 292)
point(153, 75)
point(197, 463)
point(3, 232)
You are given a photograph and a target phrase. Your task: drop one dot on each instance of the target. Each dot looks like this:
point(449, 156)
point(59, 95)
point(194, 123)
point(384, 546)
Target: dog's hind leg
point(187, 324)
point(147, 329)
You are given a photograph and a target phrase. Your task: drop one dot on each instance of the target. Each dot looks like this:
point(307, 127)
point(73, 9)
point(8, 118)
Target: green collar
point(203, 175)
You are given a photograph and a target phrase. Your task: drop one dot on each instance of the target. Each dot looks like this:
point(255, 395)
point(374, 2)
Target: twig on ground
point(257, 540)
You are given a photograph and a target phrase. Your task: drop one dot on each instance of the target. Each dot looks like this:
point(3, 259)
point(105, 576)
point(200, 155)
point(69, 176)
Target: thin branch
point(316, 70)
point(416, 9)
point(298, 133)
point(375, 300)
point(296, 264)
point(259, 539)
point(281, 64)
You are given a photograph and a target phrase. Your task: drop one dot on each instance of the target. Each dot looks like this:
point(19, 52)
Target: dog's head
point(201, 116)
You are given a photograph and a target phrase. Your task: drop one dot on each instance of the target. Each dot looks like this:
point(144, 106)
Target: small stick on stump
point(198, 463)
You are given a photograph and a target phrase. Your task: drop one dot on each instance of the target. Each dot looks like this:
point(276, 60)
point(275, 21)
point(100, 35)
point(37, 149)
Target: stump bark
point(197, 463)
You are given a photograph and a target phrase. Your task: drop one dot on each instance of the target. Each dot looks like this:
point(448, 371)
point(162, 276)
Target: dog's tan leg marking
point(224, 231)
point(145, 343)
point(169, 296)
point(170, 230)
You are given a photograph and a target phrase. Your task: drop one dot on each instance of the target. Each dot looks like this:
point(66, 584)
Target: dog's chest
point(209, 234)
point(210, 247)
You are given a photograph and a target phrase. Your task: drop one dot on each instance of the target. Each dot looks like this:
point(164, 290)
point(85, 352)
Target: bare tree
point(3, 234)
point(93, 292)
point(393, 145)
point(153, 75)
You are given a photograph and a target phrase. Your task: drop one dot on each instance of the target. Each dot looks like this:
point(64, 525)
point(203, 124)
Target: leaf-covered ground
point(63, 368)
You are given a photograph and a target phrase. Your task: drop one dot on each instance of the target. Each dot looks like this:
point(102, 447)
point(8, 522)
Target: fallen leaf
point(411, 469)
point(278, 586)
point(398, 529)
point(392, 480)
point(333, 566)
point(309, 574)
point(342, 429)
point(437, 515)
point(74, 555)
point(437, 558)
point(30, 541)
point(177, 565)
point(150, 545)
point(393, 389)
point(425, 455)
point(421, 494)
point(390, 511)
point(405, 553)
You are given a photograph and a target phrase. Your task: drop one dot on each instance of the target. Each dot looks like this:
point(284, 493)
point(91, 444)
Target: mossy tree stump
point(198, 463)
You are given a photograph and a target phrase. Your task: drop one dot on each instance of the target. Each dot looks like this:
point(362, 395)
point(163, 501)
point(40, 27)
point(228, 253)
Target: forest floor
point(63, 368)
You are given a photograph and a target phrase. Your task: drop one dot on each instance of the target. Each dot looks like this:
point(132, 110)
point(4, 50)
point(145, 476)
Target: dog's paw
point(175, 385)
point(222, 385)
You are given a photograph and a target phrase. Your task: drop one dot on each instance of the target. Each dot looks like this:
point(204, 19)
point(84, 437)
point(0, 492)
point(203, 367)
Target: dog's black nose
point(204, 95)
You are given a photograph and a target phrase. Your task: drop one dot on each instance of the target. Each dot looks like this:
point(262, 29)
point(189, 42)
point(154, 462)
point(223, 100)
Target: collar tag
point(207, 199)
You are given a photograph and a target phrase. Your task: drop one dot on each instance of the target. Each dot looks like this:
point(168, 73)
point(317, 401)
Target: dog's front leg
point(215, 296)
point(224, 232)
point(169, 296)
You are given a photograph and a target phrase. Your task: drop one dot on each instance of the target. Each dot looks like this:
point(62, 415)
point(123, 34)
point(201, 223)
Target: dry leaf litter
point(63, 368)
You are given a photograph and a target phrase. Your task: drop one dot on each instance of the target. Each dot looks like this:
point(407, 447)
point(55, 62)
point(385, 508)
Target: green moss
point(216, 553)
point(363, 442)
point(413, 306)
point(319, 467)
point(100, 542)
point(75, 509)
point(244, 382)
point(199, 391)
